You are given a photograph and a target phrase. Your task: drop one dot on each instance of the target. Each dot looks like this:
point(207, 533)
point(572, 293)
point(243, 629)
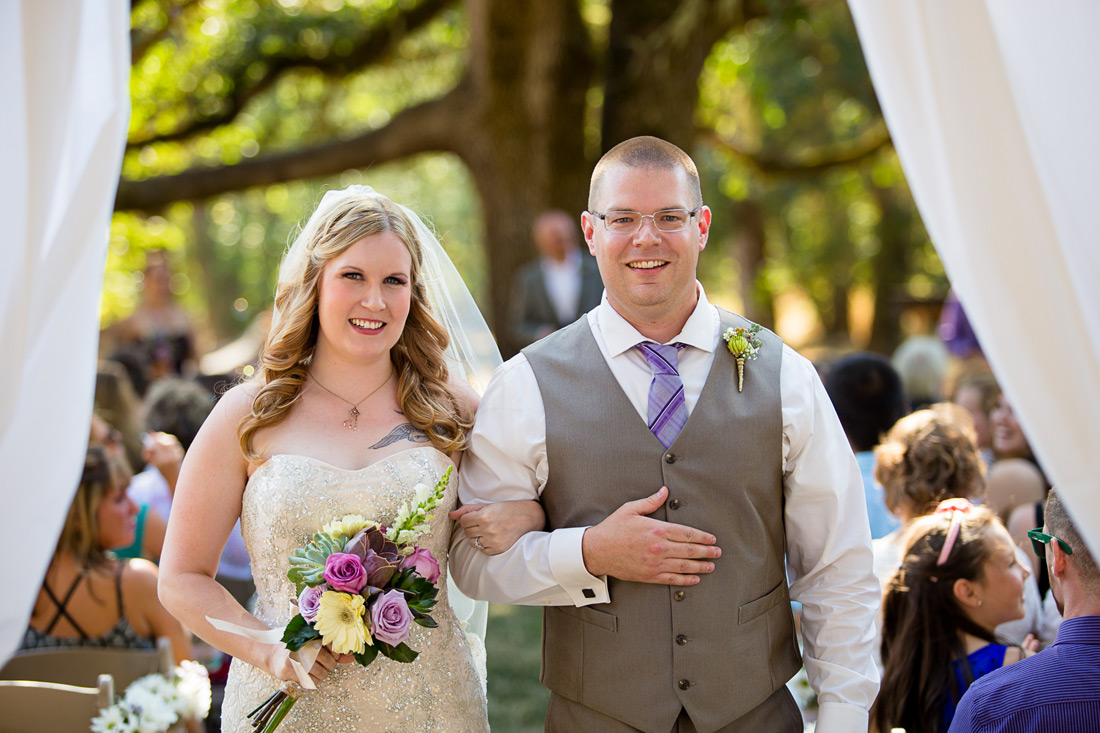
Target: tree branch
point(812, 161)
point(139, 44)
point(435, 125)
point(372, 46)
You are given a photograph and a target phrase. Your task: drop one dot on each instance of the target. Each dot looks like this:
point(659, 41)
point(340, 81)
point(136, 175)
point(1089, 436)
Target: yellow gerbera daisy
point(347, 526)
point(340, 622)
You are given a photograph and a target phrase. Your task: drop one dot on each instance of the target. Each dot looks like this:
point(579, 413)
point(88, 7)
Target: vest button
point(679, 595)
point(674, 504)
point(681, 640)
point(670, 458)
point(683, 684)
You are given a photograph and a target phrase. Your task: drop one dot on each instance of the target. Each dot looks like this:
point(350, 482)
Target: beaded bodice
point(287, 500)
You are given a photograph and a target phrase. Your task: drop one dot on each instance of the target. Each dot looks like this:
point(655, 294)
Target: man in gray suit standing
point(672, 612)
point(562, 284)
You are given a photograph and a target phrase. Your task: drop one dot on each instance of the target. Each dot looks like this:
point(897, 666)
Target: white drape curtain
point(64, 71)
point(992, 105)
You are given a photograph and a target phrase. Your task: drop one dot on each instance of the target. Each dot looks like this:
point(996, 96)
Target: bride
point(358, 398)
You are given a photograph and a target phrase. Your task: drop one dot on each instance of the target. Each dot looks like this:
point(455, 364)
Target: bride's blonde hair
point(423, 389)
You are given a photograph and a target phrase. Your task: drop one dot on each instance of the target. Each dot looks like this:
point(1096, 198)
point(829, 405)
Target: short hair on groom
point(646, 151)
point(868, 396)
point(1060, 524)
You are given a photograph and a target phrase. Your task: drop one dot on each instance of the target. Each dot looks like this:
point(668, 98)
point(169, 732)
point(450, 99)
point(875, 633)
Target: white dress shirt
point(563, 284)
point(828, 540)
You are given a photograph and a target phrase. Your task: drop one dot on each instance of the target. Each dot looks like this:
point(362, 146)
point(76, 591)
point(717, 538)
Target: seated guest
point(175, 409)
point(976, 392)
point(149, 525)
point(957, 582)
point(1015, 478)
point(557, 288)
point(927, 458)
point(89, 597)
point(1059, 688)
point(921, 362)
point(868, 398)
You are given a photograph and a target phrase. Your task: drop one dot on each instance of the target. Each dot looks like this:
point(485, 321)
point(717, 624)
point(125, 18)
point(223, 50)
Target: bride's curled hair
point(423, 388)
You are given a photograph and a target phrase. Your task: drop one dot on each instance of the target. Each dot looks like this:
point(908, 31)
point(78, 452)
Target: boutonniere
point(744, 345)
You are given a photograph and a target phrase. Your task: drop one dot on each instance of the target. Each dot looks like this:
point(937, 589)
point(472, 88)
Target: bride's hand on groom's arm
point(500, 524)
point(632, 546)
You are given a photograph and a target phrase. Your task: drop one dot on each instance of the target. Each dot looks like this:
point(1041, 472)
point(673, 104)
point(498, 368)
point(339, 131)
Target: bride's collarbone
point(316, 434)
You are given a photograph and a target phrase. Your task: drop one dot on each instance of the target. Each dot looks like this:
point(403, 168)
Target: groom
point(672, 613)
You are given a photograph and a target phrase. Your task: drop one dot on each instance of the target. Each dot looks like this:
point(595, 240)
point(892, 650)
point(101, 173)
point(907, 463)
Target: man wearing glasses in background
point(1058, 689)
point(672, 612)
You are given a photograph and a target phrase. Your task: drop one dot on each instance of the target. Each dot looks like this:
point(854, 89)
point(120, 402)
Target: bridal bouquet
point(360, 588)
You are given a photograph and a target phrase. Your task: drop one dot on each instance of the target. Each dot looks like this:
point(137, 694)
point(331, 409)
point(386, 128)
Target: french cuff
point(567, 567)
point(841, 717)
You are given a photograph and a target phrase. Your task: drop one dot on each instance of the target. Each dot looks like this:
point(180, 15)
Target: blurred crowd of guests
point(958, 506)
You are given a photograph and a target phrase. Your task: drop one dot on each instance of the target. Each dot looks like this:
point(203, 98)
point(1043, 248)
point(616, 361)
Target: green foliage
point(222, 81)
point(399, 653)
point(784, 95)
point(298, 633)
point(368, 655)
point(307, 564)
point(213, 56)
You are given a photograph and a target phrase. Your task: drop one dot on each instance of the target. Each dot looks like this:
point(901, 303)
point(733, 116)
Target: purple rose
point(391, 618)
point(345, 572)
point(423, 563)
point(310, 601)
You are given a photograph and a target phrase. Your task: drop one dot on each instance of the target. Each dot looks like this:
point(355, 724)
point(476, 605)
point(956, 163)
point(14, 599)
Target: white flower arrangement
point(155, 703)
point(411, 523)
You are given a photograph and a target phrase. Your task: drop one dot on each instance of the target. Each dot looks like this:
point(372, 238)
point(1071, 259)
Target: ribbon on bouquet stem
point(301, 661)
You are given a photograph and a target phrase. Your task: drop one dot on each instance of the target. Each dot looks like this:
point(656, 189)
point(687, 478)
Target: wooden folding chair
point(82, 666)
point(34, 707)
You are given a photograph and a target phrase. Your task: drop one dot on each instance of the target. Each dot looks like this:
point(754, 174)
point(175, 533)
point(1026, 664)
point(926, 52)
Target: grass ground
point(517, 702)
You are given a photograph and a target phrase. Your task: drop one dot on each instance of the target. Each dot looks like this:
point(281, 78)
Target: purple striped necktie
point(667, 410)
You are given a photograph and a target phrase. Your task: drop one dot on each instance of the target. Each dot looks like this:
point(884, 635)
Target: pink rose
point(345, 572)
point(423, 563)
point(391, 618)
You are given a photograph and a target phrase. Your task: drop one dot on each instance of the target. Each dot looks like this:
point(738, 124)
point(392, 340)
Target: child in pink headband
point(958, 580)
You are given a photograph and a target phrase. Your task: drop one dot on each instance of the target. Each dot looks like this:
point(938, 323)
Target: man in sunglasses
point(1058, 689)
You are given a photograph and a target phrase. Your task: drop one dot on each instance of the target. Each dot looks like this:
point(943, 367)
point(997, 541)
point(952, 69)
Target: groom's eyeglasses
point(628, 222)
point(1040, 539)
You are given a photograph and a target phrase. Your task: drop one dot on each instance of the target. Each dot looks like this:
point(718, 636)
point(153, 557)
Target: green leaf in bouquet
point(367, 656)
point(307, 564)
point(426, 621)
point(298, 633)
point(400, 653)
point(422, 606)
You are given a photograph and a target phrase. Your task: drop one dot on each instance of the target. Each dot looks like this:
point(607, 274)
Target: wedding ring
point(478, 545)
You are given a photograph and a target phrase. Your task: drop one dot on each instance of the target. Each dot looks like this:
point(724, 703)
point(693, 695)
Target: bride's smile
point(364, 298)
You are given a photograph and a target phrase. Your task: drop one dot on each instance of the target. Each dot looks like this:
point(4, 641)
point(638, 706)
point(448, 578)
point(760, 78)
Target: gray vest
point(720, 648)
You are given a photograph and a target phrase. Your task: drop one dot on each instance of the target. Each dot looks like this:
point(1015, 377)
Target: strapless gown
point(286, 501)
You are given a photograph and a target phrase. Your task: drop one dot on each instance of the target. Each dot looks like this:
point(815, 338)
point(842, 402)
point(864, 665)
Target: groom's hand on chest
point(632, 546)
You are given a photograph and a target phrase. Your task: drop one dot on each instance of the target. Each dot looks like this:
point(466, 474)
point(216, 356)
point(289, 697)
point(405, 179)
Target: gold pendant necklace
point(352, 423)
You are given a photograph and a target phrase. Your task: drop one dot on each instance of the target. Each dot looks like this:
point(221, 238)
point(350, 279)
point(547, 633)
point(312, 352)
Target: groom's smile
point(649, 273)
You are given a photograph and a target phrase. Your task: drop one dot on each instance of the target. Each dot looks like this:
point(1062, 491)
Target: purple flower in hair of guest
point(309, 601)
point(345, 572)
point(391, 618)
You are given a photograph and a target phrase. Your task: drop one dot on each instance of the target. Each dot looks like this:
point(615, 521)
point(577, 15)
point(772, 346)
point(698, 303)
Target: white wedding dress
point(286, 501)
